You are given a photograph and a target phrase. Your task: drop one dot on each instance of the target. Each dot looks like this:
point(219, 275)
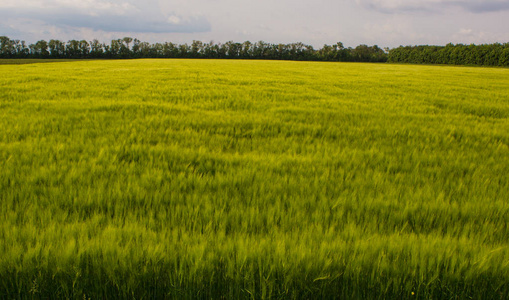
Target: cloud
point(105, 15)
point(318, 22)
point(473, 36)
point(434, 6)
point(396, 31)
point(132, 23)
point(487, 6)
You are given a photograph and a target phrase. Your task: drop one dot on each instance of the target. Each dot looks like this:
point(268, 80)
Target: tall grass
point(253, 179)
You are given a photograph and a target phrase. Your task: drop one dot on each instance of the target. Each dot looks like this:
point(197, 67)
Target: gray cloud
point(434, 6)
point(109, 16)
point(487, 6)
point(140, 24)
point(8, 31)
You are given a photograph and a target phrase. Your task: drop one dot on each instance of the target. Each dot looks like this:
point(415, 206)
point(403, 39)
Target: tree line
point(484, 55)
point(134, 48)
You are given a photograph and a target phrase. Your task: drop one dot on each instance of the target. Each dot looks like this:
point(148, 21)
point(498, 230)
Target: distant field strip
point(4, 61)
point(253, 179)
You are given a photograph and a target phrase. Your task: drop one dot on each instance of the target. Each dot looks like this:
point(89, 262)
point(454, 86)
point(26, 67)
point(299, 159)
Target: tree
point(196, 49)
point(40, 49)
point(125, 51)
point(492, 55)
point(20, 49)
point(136, 48)
point(84, 48)
point(144, 49)
point(246, 49)
point(96, 49)
point(326, 53)
point(7, 48)
point(169, 50)
point(127, 40)
point(156, 50)
point(232, 49)
point(209, 50)
point(260, 49)
point(72, 49)
point(56, 48)
point(115, 47)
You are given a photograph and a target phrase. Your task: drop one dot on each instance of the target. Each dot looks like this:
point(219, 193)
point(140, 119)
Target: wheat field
point(210, 179)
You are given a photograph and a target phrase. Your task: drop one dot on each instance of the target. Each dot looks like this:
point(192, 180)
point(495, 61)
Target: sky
point(386, 23)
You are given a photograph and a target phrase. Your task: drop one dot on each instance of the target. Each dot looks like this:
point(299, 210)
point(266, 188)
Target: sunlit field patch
point(253, 179)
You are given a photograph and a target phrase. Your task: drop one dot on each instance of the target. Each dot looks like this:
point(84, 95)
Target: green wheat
point(253, 179)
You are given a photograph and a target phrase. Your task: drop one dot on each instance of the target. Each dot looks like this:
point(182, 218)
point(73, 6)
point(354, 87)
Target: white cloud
point(174, 20)
point(465, 32)
point(109, 6)
point(396, 31)
point(397, 6)
point(472, 36)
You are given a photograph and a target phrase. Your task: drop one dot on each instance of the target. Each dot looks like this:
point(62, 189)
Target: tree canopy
point(485, 55)
point(133, 48)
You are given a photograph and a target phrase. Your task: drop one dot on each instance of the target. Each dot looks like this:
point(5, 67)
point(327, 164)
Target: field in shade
point(253, 179)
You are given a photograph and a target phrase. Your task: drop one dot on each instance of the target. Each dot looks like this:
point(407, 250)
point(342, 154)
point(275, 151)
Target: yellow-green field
point(32, 61)
point(253, 179)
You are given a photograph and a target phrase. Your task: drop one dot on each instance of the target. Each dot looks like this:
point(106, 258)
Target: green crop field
point(253, 179)
point(32, 61)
